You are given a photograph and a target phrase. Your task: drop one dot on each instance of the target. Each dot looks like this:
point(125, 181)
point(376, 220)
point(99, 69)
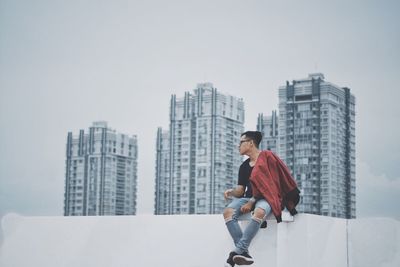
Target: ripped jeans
point(242, 239)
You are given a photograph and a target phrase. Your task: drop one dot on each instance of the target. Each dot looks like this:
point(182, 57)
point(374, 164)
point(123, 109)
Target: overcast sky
point(65, 64)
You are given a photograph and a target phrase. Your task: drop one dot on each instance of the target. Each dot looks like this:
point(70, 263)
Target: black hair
point(255, 136)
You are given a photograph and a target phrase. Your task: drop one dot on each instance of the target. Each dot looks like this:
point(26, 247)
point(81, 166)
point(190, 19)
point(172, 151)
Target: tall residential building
point(268, 126)
point(198, 158)
point(101, 172)
point(317, 142)
point(162, 194)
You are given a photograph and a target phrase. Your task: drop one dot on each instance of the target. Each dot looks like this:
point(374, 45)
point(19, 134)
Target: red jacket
point(271, 180)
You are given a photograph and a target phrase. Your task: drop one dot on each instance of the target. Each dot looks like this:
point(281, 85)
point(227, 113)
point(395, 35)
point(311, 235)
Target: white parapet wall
point(194, 241)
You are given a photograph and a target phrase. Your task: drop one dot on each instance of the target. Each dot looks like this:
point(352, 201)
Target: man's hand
point(247, 207)
point(227, 194)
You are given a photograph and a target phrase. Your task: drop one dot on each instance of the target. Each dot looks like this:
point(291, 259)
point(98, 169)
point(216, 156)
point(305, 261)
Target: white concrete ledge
point(194, 241)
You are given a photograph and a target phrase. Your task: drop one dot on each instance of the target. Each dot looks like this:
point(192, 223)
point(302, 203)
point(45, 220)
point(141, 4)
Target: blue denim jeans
point(242, 239)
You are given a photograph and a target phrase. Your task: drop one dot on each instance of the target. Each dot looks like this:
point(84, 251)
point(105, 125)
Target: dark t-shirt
point(244, 177)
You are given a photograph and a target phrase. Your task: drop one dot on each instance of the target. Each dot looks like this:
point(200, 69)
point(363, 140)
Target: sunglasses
point(242, 141)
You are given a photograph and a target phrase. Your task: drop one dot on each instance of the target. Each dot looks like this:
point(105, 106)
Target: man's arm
point(234, 192)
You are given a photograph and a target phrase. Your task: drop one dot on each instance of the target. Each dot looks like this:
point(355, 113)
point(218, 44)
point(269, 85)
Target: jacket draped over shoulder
point(271, 180)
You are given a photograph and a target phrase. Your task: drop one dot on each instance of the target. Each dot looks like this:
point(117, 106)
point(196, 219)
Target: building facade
point(268, 126)
point(162, 185)
point(101, 172)
point(317, 142)
point(197, 158)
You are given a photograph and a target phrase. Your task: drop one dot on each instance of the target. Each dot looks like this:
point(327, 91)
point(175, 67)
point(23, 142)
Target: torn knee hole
point(259, 220)
point(228, 219)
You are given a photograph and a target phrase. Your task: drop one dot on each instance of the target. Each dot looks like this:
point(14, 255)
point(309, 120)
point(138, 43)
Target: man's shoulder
point(268, 154)
point(245, 163)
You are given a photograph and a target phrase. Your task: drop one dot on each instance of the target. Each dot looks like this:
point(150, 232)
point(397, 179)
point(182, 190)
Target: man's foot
point(243, 259)
point(264, 224)
point(229, 261)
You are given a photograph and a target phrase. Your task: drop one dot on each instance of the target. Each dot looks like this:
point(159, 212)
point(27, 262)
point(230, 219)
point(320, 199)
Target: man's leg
point(261, 210)
point(231, 214)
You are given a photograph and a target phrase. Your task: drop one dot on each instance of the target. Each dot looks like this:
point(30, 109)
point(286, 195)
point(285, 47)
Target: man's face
point(244, 145)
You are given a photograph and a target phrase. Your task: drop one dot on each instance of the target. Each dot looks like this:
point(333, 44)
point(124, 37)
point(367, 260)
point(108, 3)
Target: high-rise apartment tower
point(198, 158)
point(101, 172)
point(317, 142)
point(268, 126)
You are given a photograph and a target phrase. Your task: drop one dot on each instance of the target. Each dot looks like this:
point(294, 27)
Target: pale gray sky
point(65, 64)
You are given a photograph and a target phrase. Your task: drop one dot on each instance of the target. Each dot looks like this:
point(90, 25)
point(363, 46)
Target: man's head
point(249, 141)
